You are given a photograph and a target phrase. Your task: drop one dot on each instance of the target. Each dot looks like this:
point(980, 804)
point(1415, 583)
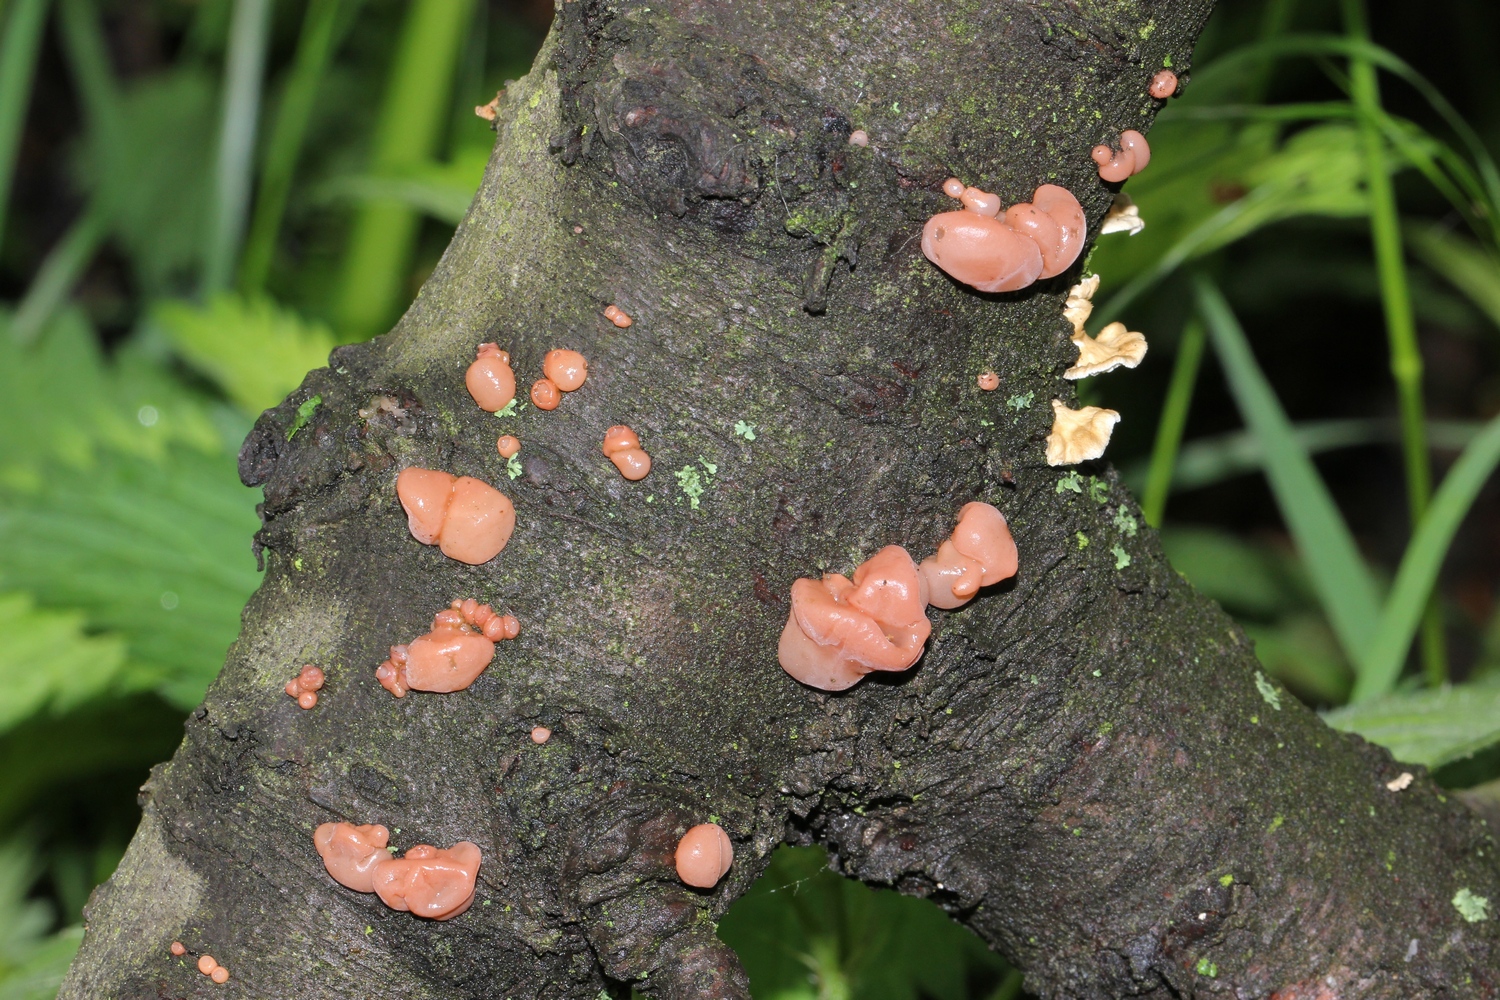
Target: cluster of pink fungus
point(210, 967)
point(841, 629)
point(1133, 156)
point(704, 855)
point(468, 519)
point(1002, 253)
point(305, 686)
point(451, 656)
point(490, 379)
point(562, 371)
point(428, 881)
point(622, 446)
point(619, 317)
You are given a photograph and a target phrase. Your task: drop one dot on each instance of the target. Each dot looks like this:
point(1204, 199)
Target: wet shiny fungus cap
point(350, 853)
point(704, 855)
point(468, 519)
point(430, 882)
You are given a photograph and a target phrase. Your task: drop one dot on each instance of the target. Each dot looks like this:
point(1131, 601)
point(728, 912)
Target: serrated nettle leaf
point(1431, 727)
point(254, 350)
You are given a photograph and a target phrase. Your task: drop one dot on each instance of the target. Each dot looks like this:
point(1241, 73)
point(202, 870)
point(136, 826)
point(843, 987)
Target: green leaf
point(441, 190)
point(41, 974)
point(49, 660)
point(1338, 574)
point(23, 921)
point(1431, 727)
point(254, 350)
point(1469, 267)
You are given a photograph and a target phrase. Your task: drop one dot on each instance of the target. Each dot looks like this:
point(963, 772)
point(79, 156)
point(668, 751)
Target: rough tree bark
point(1083, 768)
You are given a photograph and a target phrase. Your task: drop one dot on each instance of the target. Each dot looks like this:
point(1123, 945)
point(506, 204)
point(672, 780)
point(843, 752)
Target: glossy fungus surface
point(988, 381)
point(980, 552)
point(490, 379)
point(545, 394)
point(469, 520)
point(623, 448)
point(451, 656)
point(566, 369)
point(953, 187)
point(1132, 158)
point(619, 317)
point(704, 855)
point(178, 948)
point(430, 882)
point(840, 629)
point(219, 975)
point(305, 686)
point(996, 252)
point(1163, 84)
point(507, 445)
point(859, 137)
point(350, 853)
point(207, 964)
point(540, 734)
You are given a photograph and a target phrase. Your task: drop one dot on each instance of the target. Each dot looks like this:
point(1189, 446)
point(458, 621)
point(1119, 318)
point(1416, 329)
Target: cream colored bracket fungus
point(1079, 305)
point(1079, 435)
point(1124, 216)
point(1115, 347)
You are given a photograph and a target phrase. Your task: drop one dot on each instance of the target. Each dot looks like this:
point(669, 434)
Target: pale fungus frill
point(1079, 305)
point(467, 519)
point(1079, 435)
point(994, 252)
point(451, 656)
point(704, 855)
point(980, 552)
point(490, 379)
point(350, 853)
point(430, 882)
point(1114, 347)
point(1124, 216)
point(841, 629)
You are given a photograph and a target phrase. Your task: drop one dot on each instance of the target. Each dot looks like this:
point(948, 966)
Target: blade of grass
point(1395, 298)
point(412, 116)
point(287, 135)
point(18, 53)
point(1169, 429)
point(244, 74)
point(1468, 267)
point(1339, 576)
point(93, 75)
point(58, 273)
point(1412, 589)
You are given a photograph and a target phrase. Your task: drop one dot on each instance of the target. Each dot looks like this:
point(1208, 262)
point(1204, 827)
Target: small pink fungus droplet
point(1163, 84)
point(178, 948)
point(220, 975)
point(207, 964)
point(859, 137)
point(1132, 158)
point(623, 447)
point(703, 855)
point(307, 699)
point(469, 520)
point(545, 394)
point(988, 381)
point(507, 445)
point(490, 379)
point(567, 369)
point(953, 187)
point(980, 202)
point(617, 316)
point(540, 734)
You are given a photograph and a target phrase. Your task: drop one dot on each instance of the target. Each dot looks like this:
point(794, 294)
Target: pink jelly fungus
point(207, 964)
point(623, 447)
point(980, 552)
point(703, 855)
point(540, 734)
point(545, 395)
point(490, 379)
point(988, 381)
point(1133, 157)
point(467, 519)
point(617, 316)
point(507, 445)
point(859, 137)
point(305, 686)
point(178, 948)
point(840, 629)
point(450, 657)
point(430, 882)
point(1163, 84)
point(350, 853)
point(566, 369)
point(219, 975)
point(1036, 239)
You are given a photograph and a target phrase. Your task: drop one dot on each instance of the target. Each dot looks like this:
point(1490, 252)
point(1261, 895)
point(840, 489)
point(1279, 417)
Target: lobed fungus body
point(704, 855)
point(545, 394)
point(451, 656)
point(305, 686)
point(619, 317)
point(623, 447)
point(1163, 84)
point(351, 853)
point(469, 520)
point(979, 553)
point(840, 629)
point(1114, 347)
point(1002, 253)
point(566, 369)
point(1132, 158)
point(1079, 435)
point(490, 379)
point(988, 381)
point(507, 445)
point(428, 881)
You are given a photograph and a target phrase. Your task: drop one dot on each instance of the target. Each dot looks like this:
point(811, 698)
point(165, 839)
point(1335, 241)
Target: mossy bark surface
point(1085, 767)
